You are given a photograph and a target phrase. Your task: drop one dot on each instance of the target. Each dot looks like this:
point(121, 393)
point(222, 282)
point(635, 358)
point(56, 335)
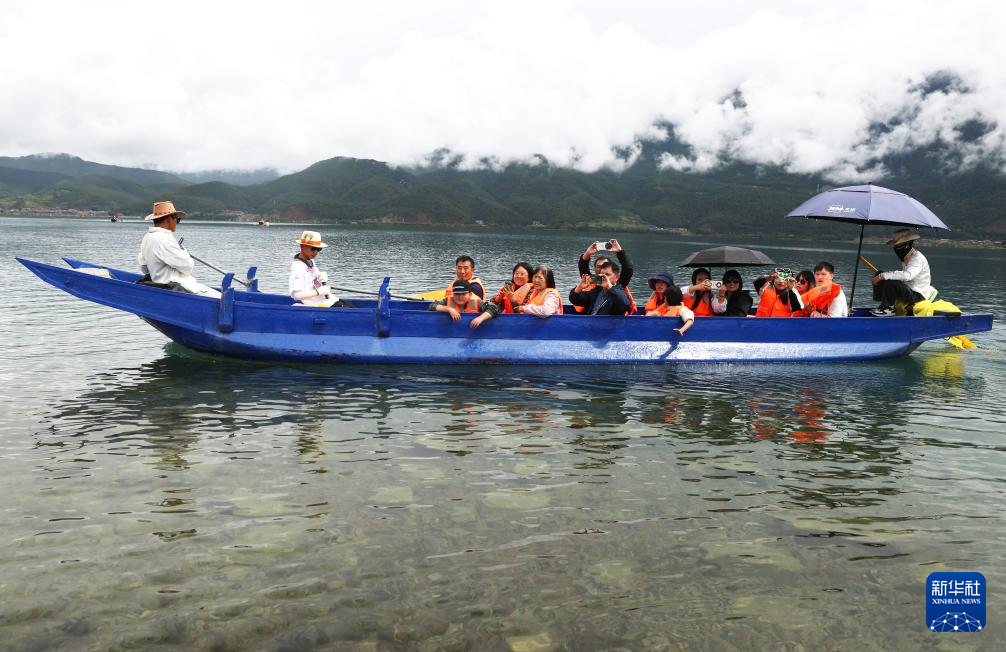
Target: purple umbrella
point(867, 204)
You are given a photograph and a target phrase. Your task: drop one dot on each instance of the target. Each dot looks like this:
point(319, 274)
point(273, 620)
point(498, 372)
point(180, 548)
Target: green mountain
point(734, 199)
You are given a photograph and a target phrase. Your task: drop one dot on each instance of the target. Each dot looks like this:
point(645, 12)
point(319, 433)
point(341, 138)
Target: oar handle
point(376, 294)
point(213, 267)
point(869, 264)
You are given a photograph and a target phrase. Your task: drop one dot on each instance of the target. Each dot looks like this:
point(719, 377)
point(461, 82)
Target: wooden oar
point(958, 341)
point(213, 267)
point(377, 294)
point(432, 295)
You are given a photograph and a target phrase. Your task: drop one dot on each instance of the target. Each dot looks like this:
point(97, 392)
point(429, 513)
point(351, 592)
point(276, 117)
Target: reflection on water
point(308, 506)
point(162, 498)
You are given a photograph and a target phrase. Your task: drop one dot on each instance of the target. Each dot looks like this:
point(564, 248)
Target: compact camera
point(717, 285)
point(596, 278)
point(602, 246)
point(784, 273)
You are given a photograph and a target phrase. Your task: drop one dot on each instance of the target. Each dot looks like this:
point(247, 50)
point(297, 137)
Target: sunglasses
point(731, 281)
point(315, 248)
point(802, 281)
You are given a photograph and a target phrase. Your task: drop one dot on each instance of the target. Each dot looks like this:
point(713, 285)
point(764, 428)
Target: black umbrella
point(726, 257)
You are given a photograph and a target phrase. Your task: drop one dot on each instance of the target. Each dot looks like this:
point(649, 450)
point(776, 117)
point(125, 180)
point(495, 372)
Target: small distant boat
point(262, 222)
point(116, 218)
point(256, 325)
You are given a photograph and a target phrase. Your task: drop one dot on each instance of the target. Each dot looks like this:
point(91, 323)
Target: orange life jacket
point(527, 295)
point(651, 303)
point(771, 306)
point(507, 306)
point(703, 307)
point(471, 306)
point(473, 281)
point(819, 300)
point(664, 310)
point(633, 308)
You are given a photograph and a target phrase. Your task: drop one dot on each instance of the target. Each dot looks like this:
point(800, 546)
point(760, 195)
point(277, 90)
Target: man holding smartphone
point(608, 296)
point(589, 283)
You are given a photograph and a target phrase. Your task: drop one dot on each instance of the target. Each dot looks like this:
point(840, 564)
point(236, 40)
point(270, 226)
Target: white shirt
point(164, 259)
point(304, 278)
point(839, 306)
point(686, 313)
point(550, 306)
point(915, 273)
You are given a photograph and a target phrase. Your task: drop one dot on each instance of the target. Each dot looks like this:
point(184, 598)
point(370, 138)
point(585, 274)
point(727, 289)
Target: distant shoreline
point(615, 229)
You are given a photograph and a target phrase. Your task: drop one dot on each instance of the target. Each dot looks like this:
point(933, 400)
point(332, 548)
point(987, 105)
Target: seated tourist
point(779, 297)
point(539, 297)
point(462, 300)
point(804, 283)
point(910, 285)
point(614, 248)
point(826, 298)
point(163, 261)
point(673, 298)
point(520, 277)
point(465, 268)
point(606, 298)
point(731, 299)
point(698, 296)
point(656, 305)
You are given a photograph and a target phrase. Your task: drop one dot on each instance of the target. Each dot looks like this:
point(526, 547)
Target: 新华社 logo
point(955, 602)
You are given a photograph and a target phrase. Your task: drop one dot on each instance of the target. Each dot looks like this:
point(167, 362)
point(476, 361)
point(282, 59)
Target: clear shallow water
point(157, 497)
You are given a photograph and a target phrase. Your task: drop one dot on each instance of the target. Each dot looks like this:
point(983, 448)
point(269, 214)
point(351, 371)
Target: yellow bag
point(929, 308)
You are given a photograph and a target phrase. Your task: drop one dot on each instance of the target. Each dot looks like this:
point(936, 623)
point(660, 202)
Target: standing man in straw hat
point(163, 259)
point(308, 284)
point(911, 284)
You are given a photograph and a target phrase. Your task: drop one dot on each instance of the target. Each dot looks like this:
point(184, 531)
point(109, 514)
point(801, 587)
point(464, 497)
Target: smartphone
point(602, 246)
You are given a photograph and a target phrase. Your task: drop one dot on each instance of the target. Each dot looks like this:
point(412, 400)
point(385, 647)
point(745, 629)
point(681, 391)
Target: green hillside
point(734, 199)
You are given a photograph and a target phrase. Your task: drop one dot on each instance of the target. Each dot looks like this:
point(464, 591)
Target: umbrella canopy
point(869, 204)
point(726, 257)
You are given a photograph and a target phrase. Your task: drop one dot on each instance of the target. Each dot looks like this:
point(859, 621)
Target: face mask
point(902, 250)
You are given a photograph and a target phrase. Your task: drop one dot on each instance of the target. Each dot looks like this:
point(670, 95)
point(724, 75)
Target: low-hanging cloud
point(830, 88)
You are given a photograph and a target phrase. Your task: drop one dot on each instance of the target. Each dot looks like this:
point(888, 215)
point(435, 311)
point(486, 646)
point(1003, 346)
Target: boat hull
point(252, 325)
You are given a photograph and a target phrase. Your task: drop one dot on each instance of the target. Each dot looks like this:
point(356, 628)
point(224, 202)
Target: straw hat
point(901, 236)
point(311, 239)
point(163, 209)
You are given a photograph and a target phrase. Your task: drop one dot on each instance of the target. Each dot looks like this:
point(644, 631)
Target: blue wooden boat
point(255, 325)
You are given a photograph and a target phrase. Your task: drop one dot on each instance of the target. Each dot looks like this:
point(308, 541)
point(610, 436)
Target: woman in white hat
point(308, 284)
point(908, 286)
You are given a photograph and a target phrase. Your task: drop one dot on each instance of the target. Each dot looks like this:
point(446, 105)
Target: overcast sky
point(201, 85)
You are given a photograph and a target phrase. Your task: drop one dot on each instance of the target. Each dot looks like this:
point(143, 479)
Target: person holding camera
point(309, 285)
point(779, 297)
point(462, 299)
point(605, 249)
point(731, 299)
point(605, 296)
point(699, 295)
point(521, 276)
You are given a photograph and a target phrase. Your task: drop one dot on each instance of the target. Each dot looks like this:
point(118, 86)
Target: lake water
point(153, 497)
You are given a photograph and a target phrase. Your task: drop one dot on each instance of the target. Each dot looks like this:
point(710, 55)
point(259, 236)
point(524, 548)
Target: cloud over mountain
point(830, 88)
